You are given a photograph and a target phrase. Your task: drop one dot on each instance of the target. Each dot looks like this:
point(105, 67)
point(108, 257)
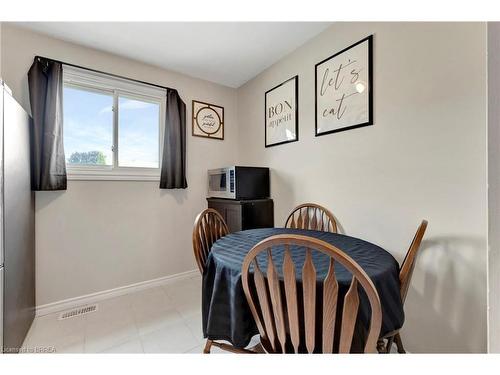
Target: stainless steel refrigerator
point(17, 225)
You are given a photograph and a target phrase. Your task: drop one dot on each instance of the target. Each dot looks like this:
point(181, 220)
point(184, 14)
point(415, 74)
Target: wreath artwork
point(208, 120)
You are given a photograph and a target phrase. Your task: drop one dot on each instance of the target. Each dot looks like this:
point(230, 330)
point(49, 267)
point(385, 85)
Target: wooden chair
point(311, 216)
point(405, 274)
point(288, 325)
point(209, 226)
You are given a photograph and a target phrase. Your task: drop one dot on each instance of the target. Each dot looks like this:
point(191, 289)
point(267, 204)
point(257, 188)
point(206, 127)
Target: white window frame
point(116, 87)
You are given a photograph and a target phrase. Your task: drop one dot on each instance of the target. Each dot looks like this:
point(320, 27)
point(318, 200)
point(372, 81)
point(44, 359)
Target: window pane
point(88, 127)
point(138, 133)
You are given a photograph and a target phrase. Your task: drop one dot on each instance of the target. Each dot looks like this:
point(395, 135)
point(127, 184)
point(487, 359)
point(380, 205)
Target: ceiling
point(228, 53)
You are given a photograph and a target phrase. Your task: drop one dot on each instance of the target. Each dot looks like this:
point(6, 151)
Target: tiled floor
point(163, 319)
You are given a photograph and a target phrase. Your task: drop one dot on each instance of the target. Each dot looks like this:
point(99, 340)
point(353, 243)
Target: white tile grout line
point(85, 335)
point(134, 318)
point(194, 347)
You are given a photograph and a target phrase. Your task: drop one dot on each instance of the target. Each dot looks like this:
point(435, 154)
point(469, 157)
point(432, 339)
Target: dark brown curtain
point(173, 166)
point(48, 165)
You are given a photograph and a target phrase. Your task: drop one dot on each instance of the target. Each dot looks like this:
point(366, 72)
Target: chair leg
point(388, 347)
point(229, 348)
point(257, 349)
point(381, 346)
point(208, 345)
point(399, 343)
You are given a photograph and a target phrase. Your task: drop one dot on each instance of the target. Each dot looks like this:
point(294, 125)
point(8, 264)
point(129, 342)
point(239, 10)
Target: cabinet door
point(233, 217)
point(219, 207)
point(258, 215)
point(230, 211)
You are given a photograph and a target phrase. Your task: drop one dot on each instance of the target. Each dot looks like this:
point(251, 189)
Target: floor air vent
point(77, 312)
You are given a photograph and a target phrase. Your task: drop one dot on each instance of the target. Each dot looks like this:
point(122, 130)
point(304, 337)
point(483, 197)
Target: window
point(88, 126)
point(112, 127)
point(138, 133)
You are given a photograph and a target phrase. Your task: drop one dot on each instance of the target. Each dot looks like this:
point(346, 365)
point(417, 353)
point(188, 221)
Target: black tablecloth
point(226, 314)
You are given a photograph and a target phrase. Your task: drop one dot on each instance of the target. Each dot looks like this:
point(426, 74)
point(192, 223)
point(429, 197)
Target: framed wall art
point(282, 113)
point(208, 120)
point(344, 89)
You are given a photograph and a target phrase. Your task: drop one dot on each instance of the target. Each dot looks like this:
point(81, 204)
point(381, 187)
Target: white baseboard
point(70, 303)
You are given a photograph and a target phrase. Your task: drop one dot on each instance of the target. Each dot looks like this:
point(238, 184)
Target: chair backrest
point(209, 226)
point(311, 216)
point(287, 321)
point(406, 270)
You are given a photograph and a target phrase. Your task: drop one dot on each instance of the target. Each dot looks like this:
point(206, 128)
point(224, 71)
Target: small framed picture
point(344, 89)
point(208, 120)
point(282, 113)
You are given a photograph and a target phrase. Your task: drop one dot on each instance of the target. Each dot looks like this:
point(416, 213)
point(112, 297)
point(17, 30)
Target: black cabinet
point(244, 214)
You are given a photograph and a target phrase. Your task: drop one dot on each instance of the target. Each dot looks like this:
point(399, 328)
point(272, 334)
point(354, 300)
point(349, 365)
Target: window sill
point(99, 175)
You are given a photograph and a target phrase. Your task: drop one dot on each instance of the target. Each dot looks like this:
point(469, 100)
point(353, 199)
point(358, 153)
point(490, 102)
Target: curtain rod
point(101, 72)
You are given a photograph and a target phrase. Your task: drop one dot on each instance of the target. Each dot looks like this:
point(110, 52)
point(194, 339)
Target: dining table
point(226, 314)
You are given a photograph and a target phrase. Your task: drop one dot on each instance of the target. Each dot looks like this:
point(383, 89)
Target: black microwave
point(238, 183)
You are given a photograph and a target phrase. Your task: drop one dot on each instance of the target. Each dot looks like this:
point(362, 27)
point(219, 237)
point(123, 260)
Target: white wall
point(101, 235)
point(494, 187)
point(425, 157)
